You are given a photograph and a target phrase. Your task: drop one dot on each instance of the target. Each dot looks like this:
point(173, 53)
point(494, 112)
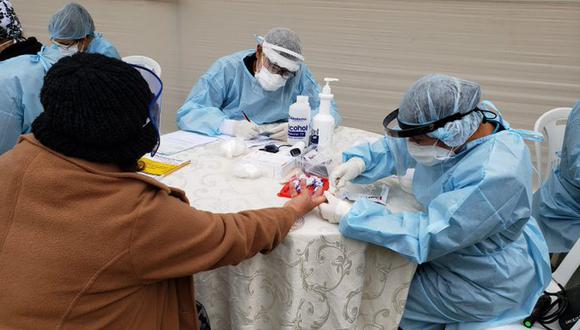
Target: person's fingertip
point(291, 189)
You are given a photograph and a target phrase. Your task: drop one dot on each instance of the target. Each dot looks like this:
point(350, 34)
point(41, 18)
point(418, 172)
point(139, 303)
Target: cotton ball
point(233, 148)
point(247, 171)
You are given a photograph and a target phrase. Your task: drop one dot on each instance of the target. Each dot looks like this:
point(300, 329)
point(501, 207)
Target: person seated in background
point(260, 83)
point(71, 31)
point(85, 241)
point(12, 41)
point(482, 258)
point(557, 203)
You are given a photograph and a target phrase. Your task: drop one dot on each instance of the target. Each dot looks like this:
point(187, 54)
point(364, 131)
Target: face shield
point(154, 109)
point(274, 53)
point(412, 143)
point(280, 60)
point(278, 65)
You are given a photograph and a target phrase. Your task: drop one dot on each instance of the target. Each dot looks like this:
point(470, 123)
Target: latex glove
point(240, 128)
point(279, 132)
point(345, 172)
point(335, 209)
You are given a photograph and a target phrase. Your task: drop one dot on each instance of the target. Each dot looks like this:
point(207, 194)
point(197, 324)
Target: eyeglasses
point(276, 69)
point(67, 43)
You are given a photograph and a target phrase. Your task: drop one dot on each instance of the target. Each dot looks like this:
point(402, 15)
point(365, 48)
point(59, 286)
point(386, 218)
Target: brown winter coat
point(84, 245)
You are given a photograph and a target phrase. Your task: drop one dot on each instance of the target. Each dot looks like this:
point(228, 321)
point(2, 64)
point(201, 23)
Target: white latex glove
point(240, 128)
point(335, 209)
point(345, 172)
point(279, 132)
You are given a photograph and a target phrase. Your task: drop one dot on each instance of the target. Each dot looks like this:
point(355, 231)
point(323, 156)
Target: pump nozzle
point(326, 88)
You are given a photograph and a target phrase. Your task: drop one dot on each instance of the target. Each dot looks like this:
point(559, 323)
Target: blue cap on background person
point(72, 22)
point(437, 96)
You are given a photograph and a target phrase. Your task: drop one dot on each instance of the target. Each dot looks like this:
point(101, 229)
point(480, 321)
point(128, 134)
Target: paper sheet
point(178, 141)
point(161, 165)
point(261, 141)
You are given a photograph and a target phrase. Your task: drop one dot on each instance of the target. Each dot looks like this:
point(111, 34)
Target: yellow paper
point(161, 166)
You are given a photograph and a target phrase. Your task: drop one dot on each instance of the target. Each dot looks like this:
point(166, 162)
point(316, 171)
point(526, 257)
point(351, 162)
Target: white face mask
point(67, 50)
point(428, 155)
point(269, 81)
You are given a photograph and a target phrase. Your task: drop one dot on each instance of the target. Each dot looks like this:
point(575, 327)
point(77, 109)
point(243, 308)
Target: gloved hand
point(279, 132)
point(246, 129)
point(345, 172)
point(335, 209)
point(240, 128)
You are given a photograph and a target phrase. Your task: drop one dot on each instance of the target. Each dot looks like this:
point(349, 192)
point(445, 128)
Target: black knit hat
point(96, 108)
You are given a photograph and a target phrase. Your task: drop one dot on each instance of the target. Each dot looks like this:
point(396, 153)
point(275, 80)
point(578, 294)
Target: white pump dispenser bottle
point(323, 123)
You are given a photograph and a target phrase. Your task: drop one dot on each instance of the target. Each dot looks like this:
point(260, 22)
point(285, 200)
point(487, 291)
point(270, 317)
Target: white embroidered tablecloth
point(315, 279)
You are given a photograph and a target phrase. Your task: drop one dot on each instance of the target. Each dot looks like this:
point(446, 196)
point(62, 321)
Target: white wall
point(525, 54)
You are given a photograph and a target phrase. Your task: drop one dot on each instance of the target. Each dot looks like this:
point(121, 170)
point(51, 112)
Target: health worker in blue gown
point(244, 92)
point(71, 30)
point(482, 259)
point(557, 202)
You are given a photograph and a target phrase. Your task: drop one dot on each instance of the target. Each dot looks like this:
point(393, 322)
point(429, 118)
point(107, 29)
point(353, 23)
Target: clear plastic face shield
point(276, 68)
point(291, 62)
point(154, 111)
point(410, 144)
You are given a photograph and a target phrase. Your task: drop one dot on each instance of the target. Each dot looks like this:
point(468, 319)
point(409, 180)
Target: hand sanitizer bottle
point(323, 123)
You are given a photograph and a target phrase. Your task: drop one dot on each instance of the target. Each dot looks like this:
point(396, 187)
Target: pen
point(263, 133)
point(246, 116)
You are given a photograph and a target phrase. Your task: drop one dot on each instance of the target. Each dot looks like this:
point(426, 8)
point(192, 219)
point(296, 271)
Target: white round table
point(315, 279)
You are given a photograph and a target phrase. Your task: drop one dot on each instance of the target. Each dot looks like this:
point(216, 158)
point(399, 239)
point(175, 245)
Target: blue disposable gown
point(100, 45)
point(482, 258)
point(557, 203)
point(227, 89)
point(21, 79)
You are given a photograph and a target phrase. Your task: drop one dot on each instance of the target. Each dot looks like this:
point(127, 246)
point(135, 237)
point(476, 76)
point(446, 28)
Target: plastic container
point(299, 121)
point(323, 123)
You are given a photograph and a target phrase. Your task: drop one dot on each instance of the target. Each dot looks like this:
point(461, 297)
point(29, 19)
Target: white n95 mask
point(67, 50)
point(270, 81)
point(428, 155)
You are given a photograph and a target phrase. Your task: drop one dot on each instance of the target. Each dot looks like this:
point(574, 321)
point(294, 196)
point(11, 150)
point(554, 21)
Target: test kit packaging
point(274, 165)
point(316, 163)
